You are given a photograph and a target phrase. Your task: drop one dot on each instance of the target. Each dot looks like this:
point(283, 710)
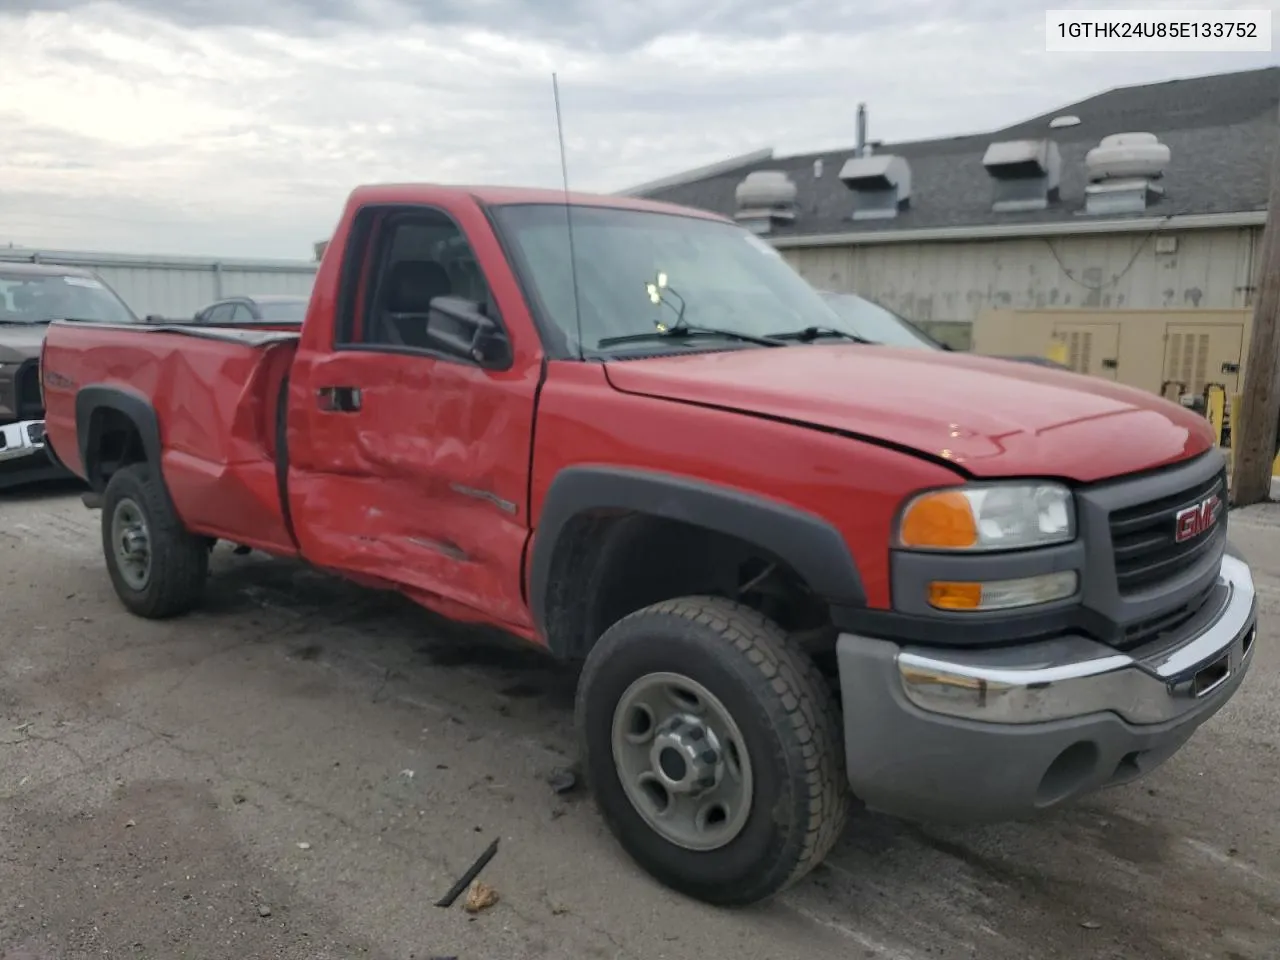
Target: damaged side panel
point(213, 397)
point(236, 498)
point(422, 484)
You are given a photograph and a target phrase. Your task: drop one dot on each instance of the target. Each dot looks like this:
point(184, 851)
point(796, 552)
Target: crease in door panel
point(506, 506)
point(451, 550)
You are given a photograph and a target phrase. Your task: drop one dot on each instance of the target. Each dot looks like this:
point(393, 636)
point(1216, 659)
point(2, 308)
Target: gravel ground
point(303, 767)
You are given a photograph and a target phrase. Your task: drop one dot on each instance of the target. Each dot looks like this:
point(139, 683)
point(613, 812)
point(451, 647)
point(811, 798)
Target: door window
point(414, 256)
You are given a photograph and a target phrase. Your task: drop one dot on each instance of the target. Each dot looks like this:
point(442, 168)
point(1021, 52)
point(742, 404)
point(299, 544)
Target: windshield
point(283, 311)
point(876, 323)
point(712, 275)
point(27, 298)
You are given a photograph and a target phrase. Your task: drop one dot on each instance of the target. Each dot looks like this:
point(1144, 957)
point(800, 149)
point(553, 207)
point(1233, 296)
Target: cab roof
point(392, 193)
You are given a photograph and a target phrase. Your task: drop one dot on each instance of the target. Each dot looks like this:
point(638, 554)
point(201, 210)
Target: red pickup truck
point(801, 568)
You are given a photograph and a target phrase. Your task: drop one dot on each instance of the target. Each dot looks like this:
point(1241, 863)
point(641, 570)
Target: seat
point(411, 286)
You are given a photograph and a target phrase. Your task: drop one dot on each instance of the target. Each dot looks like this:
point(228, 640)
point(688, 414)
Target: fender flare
point(809, 544)
point(135, 406)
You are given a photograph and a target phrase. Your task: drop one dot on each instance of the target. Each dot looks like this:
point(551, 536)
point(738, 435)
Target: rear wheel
point(158, 569)
point(713, 749)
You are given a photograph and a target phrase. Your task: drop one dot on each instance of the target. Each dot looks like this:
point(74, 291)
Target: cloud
point(236, 128)
point(615, 25)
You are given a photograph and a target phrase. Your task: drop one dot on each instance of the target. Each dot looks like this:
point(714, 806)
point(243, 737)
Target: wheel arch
point(594, 517)
point(102, 413)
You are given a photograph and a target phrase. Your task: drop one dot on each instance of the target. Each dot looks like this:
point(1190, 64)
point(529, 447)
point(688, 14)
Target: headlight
point(988, 517)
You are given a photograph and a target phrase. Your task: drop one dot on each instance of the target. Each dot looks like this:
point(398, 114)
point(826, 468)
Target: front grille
point(26, 388)
point(1143, 537)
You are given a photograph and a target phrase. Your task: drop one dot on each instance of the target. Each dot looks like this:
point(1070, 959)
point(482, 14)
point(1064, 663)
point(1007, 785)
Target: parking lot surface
point(300, 769)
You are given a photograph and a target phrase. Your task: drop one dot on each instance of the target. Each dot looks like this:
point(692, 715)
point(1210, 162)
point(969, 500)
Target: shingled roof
point(1220, 130)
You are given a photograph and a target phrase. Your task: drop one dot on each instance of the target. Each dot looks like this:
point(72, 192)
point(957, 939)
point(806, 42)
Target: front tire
point(713, 749)
point(158, 569)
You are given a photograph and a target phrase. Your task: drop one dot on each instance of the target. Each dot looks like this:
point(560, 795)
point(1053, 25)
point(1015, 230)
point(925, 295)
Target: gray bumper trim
point(1076, 676)
point(18, 442)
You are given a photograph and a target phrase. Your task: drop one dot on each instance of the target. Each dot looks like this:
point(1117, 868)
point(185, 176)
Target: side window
point(240, 314)
point(219, 314)
point(413, 256)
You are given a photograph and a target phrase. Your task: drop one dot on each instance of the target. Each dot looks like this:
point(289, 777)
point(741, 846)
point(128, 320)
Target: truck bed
point(215, 390)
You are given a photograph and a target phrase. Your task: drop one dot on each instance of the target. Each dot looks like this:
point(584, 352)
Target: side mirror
point(462, 327)
point(153, 318)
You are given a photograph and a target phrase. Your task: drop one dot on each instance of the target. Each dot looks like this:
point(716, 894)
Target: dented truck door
point(407, 462)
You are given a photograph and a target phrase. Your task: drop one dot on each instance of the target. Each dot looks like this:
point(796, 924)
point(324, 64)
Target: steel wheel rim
point(682, 761)
point(131, 542)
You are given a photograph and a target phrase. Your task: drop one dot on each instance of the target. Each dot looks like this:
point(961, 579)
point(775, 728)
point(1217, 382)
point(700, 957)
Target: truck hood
point(18, 343)
point(989, 417)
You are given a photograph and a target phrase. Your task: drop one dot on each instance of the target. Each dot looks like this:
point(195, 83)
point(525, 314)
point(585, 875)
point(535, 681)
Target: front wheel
point(158, 569)
point(713, 749)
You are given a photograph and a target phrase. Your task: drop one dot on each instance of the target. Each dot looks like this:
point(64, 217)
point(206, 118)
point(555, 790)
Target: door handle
point(338, 399)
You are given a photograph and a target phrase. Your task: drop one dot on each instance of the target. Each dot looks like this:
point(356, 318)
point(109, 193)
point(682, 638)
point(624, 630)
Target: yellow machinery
point(1223, 413)
point(1217, 411)
point(1218, 401)
point(1058, 351)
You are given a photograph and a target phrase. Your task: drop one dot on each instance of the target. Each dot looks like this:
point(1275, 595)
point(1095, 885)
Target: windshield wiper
point(658, 291)
point(809, 334)
point(682, 330)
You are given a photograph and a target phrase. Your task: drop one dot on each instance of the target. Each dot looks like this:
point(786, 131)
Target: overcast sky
point(236, 127)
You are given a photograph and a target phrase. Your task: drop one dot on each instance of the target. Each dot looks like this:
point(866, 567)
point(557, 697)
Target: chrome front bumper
point(1076, 677)
point(22, 439)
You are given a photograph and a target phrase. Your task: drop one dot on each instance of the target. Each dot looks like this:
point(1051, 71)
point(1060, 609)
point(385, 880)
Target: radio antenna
point(568, 217)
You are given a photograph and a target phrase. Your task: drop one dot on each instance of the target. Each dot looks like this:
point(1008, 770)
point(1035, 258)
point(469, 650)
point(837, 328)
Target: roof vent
point(1122, 171)
point(1066, 120)
point(1026, 174)
point(881, 185)
point(765, 198)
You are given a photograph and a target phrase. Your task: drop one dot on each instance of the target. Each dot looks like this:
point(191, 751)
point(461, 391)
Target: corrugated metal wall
point(179, 286)
point(943, 286)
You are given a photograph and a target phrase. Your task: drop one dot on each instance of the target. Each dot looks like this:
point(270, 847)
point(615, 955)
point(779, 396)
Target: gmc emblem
point(1193, 521)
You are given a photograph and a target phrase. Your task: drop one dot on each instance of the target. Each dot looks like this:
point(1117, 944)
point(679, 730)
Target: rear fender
point(91, 402)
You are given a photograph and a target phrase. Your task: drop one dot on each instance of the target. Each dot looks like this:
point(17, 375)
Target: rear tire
point(158, 569)
point(776, 709)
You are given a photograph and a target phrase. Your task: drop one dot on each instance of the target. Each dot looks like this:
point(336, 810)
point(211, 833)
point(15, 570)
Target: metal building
point(944, 285)
point(1143, 197)
point(178, 286)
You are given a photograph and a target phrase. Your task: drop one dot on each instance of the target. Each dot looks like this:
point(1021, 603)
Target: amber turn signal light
point(942, 519)
point(945, 595)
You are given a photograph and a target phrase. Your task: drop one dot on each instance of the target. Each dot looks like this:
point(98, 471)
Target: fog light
point(1002, 594)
